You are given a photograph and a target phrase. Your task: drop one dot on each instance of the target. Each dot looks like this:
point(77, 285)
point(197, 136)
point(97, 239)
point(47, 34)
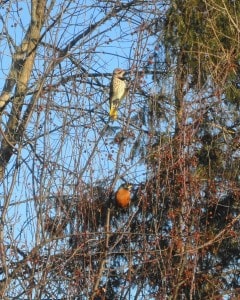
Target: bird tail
point(113, 113)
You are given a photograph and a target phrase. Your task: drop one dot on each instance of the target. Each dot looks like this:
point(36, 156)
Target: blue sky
point(61, 140)
point(62, 134)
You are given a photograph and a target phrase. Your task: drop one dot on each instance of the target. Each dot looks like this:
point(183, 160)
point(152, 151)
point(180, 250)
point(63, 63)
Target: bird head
point(126, 186)
point(119, 73)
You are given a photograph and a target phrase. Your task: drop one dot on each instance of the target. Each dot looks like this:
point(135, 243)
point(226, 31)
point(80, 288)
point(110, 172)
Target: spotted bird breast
point(119, 89)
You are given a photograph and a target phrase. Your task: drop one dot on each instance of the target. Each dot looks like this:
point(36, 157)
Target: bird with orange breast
point(123, 195)
point(118, 91)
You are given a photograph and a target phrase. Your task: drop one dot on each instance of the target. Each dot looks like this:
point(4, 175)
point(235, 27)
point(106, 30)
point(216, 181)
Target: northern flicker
point(118, 90)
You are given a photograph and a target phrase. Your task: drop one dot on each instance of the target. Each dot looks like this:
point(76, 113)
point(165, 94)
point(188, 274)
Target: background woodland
point(176, 140)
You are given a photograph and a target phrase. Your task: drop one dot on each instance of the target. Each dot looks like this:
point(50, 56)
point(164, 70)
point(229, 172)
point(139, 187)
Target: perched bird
point(118, 90)
point(123, 195)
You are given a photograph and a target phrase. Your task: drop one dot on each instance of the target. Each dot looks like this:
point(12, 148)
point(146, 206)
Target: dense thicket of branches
point(176, 140)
